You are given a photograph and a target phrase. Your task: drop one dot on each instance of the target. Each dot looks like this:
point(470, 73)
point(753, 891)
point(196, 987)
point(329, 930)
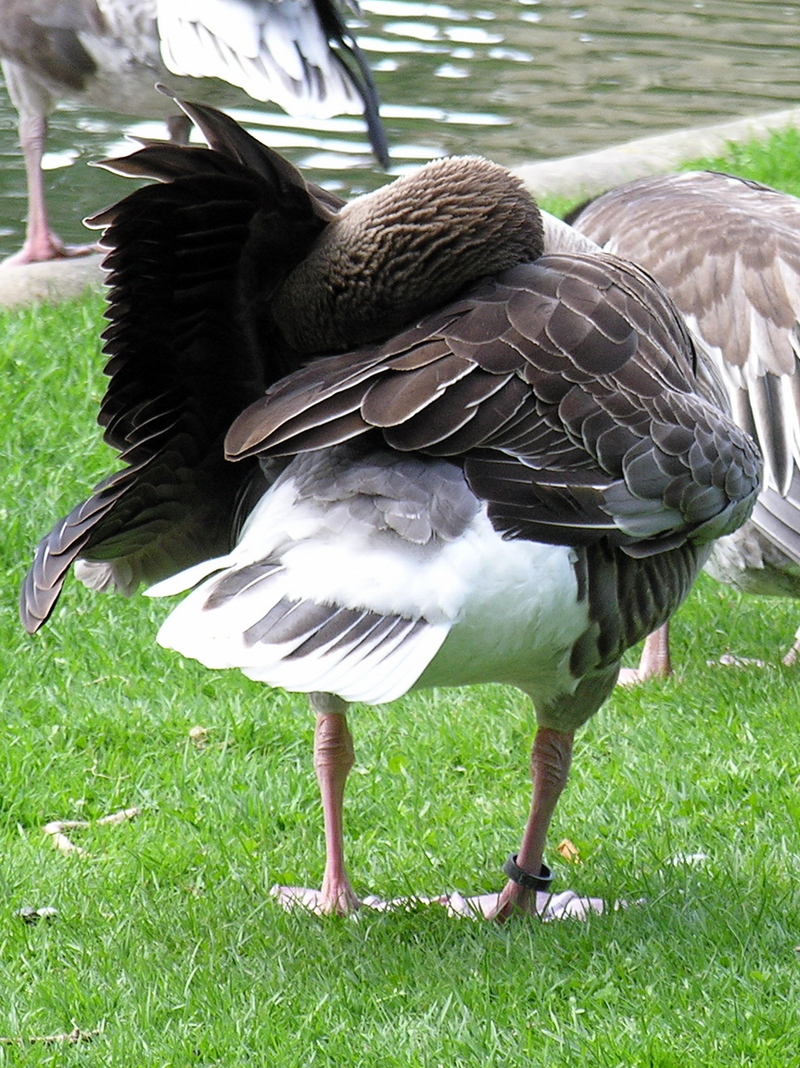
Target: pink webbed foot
point(343, 902)
point(542, 905)
point(47, 249)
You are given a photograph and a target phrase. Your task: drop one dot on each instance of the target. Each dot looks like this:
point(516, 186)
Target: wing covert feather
point(595, 427)
point(727, 250)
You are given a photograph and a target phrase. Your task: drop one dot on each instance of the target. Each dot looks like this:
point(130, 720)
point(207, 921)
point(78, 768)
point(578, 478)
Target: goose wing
point(727, 251)
point(565, 388)
point(182, 270)
point(298, 53)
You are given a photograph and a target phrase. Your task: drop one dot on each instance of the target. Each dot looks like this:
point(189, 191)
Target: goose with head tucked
point(727, 250)
point(108, 54)
point(394, 444)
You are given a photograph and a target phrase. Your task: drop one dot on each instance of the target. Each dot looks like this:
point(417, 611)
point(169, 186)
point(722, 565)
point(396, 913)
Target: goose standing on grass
point(391, 445)
point(727, 250)
point(110, 53)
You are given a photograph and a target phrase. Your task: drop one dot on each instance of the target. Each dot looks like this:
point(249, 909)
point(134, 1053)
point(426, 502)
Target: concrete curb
point(593, 173)
point(50, 283)
point(572, 177)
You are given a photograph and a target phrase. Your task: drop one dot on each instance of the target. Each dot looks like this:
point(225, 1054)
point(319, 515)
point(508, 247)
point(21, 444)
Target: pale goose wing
point(565, 390)
point(175, 304)
point(277, 50)
point(727, 251)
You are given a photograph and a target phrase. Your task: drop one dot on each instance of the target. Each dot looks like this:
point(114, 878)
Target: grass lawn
point(166, 943)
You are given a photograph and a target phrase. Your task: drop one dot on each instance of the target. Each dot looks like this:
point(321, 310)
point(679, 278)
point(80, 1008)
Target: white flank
point(492, 610)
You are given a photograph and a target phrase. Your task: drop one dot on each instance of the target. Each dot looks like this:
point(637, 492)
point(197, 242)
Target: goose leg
point(179, 127)
point(551, 757)
point(41, 243)
point(793, 655)
point(655, 661)
point(333, 759)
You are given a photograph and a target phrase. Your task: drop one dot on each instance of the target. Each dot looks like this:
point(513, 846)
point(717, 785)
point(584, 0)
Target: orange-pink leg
point(551, 757)
point(333, 759)
point(41, 243)
point(655, 661)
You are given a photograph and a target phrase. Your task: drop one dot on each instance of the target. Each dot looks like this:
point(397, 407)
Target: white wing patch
point(273, 49)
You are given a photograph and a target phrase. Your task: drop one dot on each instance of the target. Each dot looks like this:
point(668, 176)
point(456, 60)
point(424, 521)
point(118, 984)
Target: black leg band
point(524, 879)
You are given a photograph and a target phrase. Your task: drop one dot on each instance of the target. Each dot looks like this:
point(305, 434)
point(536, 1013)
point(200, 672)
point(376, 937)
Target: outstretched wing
point(192, 264)
point(565, 387)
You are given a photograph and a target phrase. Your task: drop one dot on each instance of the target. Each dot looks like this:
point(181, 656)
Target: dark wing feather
point(191, 343)
point(593, 427)
point(353, 61)
point(727, 250)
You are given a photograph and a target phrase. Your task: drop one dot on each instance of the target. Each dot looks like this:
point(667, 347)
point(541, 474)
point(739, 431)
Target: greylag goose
point(727, 250)
point(390, 444)
point(110, 53)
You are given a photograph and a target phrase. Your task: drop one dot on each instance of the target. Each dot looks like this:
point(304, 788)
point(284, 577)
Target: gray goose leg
point(655, 661)
point(551, 757)
point(333, 759)
point(41, 243)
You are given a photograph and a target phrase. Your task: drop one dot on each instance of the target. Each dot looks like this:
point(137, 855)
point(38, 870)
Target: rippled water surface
point(517, 80)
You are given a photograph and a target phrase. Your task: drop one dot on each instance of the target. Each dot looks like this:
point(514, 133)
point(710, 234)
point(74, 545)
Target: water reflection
point(515, 79)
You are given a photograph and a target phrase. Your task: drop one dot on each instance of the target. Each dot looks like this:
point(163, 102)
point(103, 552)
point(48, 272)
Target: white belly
point(488, 609)
point(518, 623)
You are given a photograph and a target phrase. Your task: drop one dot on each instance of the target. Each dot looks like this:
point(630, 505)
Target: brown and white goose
point(110, 53)
point(727, 250)
point(389, 444)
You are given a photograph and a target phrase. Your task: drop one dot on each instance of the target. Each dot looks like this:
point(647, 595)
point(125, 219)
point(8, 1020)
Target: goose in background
point(110, 53)
point(394, 444)
point(727, 250)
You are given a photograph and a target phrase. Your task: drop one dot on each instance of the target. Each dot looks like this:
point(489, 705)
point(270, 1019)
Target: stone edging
point(50, 283)
point(593, 173)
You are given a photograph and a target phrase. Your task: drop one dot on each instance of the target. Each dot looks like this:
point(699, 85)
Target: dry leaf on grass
point(198, 736)
point(568, 851)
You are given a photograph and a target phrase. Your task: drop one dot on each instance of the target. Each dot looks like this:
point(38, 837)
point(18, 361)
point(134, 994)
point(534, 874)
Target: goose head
point(391, 256)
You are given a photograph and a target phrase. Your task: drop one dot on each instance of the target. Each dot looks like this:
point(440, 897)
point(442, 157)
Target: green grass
point(166, 939)
point(775, 163)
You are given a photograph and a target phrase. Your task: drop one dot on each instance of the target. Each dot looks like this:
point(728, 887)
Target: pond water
point(516, 80)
